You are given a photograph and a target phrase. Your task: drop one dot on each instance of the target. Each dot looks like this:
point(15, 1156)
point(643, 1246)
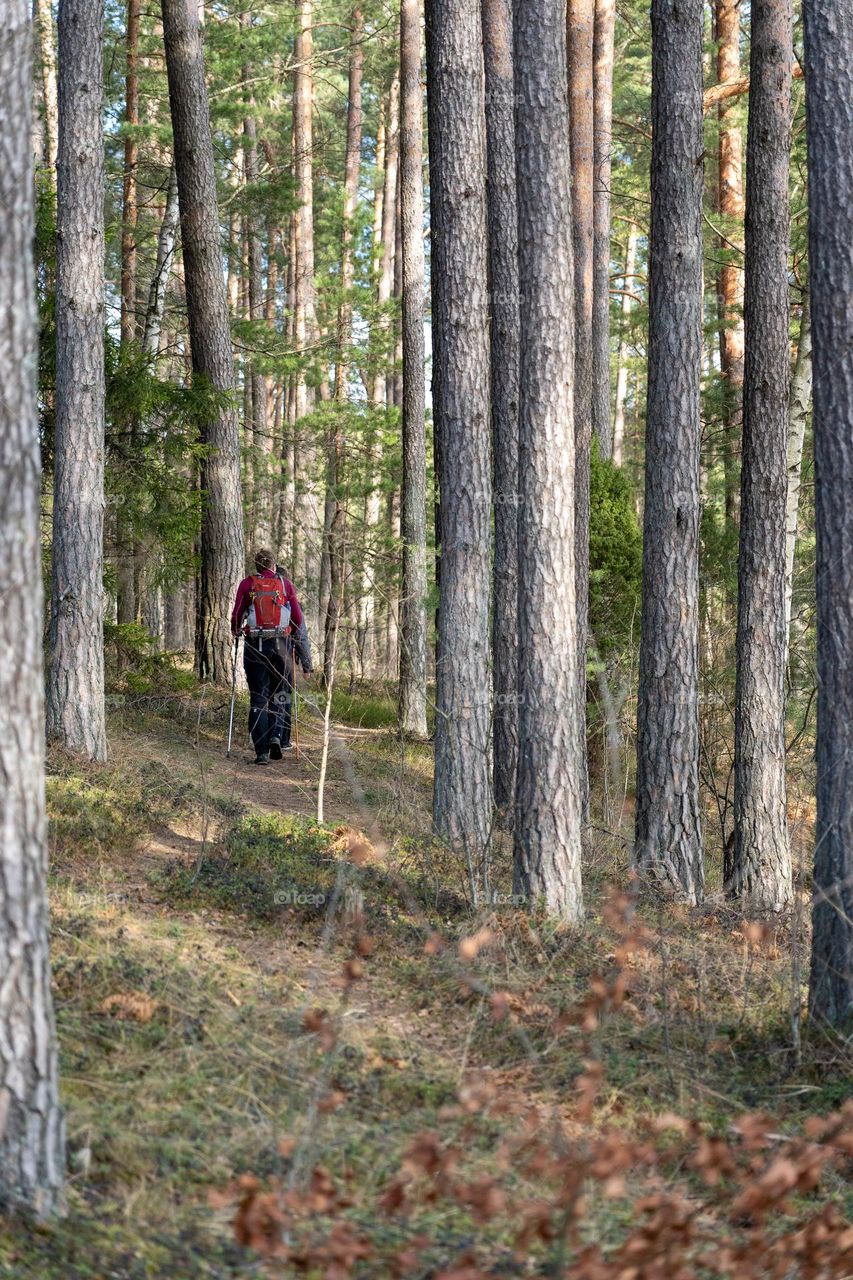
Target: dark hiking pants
point(268, 667)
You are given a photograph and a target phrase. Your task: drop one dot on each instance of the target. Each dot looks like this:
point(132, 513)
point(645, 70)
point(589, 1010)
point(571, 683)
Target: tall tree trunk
point(47, 58)
point(32, 1137)
point(730, 277)
point(800, 403)
point(829, 94)
point(668, 837)
point(368, 622)
point(166, 242)
point(462, 795)
point(262, 440)
point(413, 617)
point(761, 872)
point(550, 771)
point(75, 702)
point(622, 374)
point(131, 160)
point(127, 605)
point(337, 530)
point(503, 278)
point(580, 45)
point(308, 520)
point(222, 558)
point(605, 26)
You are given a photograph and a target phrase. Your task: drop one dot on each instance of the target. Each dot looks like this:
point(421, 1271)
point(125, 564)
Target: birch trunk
point(622, 364)
point(800, 403)
point(47, 58)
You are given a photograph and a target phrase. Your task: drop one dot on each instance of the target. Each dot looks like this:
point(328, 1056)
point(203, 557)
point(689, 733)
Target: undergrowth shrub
point(506, 1185)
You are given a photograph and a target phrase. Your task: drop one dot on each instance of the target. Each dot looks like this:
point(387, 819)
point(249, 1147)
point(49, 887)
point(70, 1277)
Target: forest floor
point(308, 1031)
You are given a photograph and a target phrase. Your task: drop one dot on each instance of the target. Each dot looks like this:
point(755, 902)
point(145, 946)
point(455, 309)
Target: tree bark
point(47, 58)
point(262, 439)
point(131, 160)
point(550, 770)
point(413, 618)
point(462, 795)
point(761, 873)
point(730, 276)
point(503, 279)
point(342, 364)
point(127, 605)
point(308, 519)
point(668, 839)
point(166, 241)
point(605, 26)
point(32, 1137)
point(384, 257)
point(222, 557)
point(800, 403)
point(75, 703)
point(829, 110)
point(622, 364)
point(580, 47)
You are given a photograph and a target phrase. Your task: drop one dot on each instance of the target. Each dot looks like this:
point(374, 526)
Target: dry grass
point(195, 1052)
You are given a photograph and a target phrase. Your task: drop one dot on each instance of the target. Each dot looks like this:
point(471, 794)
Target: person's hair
point(264, 559)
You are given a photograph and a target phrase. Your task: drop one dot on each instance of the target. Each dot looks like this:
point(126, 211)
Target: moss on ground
point(193, 1052)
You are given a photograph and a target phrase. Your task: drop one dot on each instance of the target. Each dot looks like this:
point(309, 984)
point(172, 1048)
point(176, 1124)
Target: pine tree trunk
point(127, 605)
point(262, 440)
point(605, 24)
point(730, 277)
point(75, 703)
point(222, 559)
point(462, 795)
point(131, 160)
point(550, 786)
point(761, 873)
point(829, 95)
point(413, 618)
point(668, 837)
point(32, 1138)
point(622, 366)
point(308, 518)
point(337, 527)
point(503, 277)
point(800, 403)
point(580, 45)
point(384, 257)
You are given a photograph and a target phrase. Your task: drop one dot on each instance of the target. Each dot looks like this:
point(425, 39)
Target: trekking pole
point(295, 700)
point(233, 695)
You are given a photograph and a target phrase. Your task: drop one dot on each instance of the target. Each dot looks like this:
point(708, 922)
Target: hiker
point(268, 614)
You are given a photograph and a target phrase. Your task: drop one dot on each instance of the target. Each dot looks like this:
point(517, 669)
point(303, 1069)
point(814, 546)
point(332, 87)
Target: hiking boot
point(275, 749)
point(262, 758)
point(286, 746)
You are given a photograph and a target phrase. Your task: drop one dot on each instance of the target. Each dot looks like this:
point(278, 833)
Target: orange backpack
point(269, 612)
